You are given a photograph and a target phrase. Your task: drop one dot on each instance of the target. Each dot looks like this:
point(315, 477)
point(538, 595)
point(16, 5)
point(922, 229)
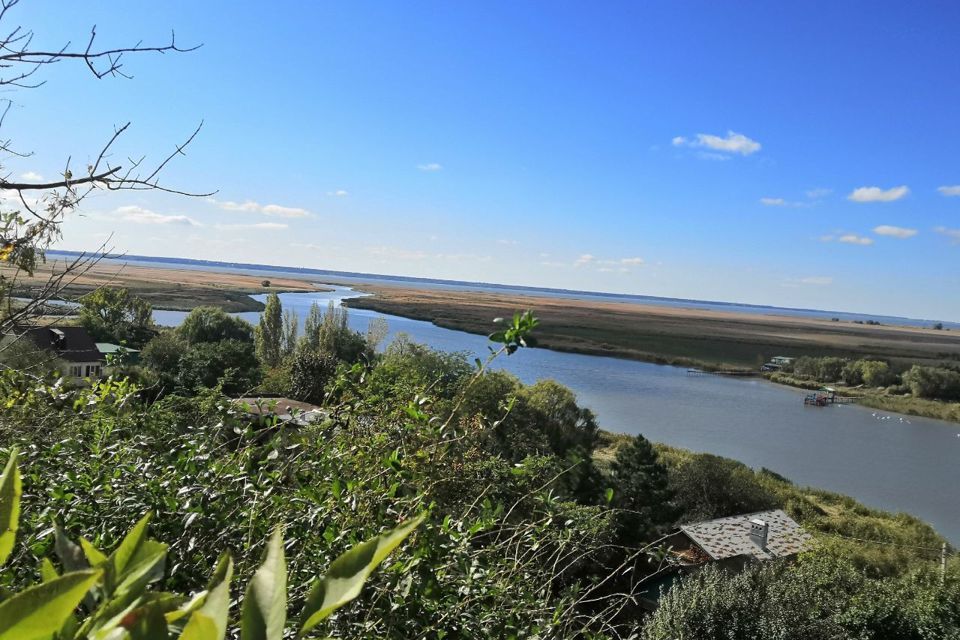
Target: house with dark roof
point(72, 346)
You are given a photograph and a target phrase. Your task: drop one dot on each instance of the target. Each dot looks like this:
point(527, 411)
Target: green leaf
point(40, 611)
point(9, 506)
point(94, 556)
point(265, 602)
point(121, 556)
point(209, 622)
point(346, 576)
point(47, 571)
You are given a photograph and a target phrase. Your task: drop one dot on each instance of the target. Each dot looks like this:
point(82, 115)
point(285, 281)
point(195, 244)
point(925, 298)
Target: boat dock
point(825, 396)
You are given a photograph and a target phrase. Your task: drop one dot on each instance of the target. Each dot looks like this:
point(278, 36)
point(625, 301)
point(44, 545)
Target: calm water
point(893, 462)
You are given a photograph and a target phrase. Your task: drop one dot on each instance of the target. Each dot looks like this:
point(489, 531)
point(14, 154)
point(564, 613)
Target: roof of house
point(728, 537)
point(109, 347)
point(285, 409)
point(72, 344)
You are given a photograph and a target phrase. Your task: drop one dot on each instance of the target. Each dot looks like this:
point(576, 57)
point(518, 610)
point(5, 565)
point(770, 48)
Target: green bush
point(113, 591)
point(935, 383)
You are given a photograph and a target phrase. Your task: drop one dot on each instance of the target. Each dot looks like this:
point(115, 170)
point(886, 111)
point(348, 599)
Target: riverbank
point(663, 335)
point(884, 541)
point(879, 398)
point(165, 288)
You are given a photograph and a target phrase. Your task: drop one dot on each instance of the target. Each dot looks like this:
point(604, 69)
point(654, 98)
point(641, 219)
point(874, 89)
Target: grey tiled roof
point(729, 537)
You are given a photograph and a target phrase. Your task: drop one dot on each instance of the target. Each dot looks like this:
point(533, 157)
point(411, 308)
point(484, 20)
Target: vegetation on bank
point(927, 391)
point(536, 523)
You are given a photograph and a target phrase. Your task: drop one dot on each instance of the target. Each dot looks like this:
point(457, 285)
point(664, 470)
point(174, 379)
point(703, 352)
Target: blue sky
point(797, 154)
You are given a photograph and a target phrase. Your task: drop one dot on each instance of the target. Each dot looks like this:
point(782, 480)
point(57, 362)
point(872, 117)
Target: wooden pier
point(825, 396)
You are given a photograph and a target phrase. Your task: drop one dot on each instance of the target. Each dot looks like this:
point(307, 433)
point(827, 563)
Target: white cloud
point(553, 265)
point(894, 232)
point(264, 226)
point(953, 234)
point(876, 194)
point(709, 155)
point(780, 202)
point(284, 212)
point(851, 238)
point(818, 192)
point(584, 259)
point(139, 215)
point(31, 176)
point(339, 193)
point(949, 191)
point(633, 261)
point(731, 143)
point(250, 206)
point(821, 281)
point(430, 166)
point(507, 241)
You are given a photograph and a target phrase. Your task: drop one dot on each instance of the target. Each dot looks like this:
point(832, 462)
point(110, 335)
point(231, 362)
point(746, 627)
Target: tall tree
point(291, 323)
point(213, 324)
point(311, 326)
point(114, 315)
point(337, 339)
point(269, 332)
point(377, 330)
point(641, 490)
point(332, 326)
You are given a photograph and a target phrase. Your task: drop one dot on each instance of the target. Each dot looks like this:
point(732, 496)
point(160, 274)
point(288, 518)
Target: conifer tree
point(641, 490)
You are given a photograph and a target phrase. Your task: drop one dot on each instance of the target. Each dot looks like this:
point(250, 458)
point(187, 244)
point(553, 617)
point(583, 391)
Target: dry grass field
point(666, 334)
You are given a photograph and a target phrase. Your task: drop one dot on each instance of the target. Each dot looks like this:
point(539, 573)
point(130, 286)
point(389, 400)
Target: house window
point(75, 371)
point(93, 370)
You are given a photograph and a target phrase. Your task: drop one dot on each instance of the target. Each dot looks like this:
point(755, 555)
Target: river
point(889, 461)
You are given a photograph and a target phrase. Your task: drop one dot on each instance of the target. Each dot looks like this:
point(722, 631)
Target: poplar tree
point(291, 324)
point(311, 326)
point(269, 333)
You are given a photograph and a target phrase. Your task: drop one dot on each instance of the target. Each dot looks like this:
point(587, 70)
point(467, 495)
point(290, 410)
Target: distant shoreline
point(310, 273)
